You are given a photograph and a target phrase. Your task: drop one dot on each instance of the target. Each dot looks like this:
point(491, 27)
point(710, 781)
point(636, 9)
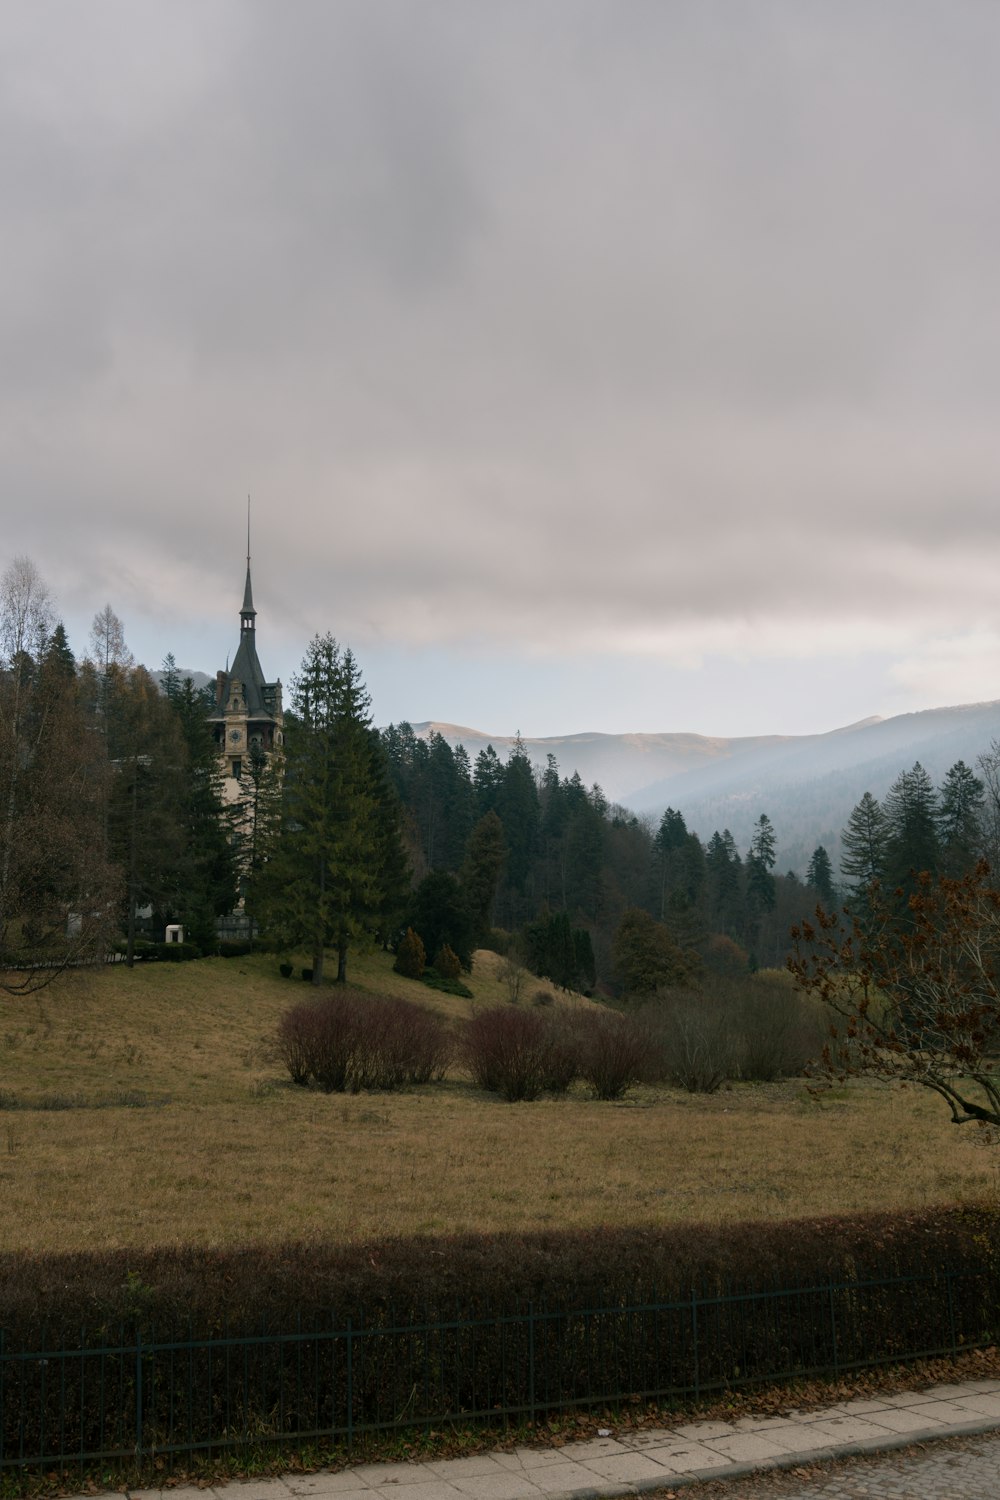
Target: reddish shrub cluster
point(522, 1054)
point(351, 1041)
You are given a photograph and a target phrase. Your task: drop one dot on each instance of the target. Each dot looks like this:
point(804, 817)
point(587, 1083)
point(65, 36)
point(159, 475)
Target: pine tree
point(518, 810)
point(146, 830)
point(863, 861)
point(323, 878)
point(911, 829)
point(960, 812)
point(724, 871)
point(207, 884)
point(485, 857)
point(820, 876)
point(759, 880)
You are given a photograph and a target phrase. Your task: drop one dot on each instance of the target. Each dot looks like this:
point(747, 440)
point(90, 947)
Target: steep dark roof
point(248, 608)
point(261, 696)
point(249, 671)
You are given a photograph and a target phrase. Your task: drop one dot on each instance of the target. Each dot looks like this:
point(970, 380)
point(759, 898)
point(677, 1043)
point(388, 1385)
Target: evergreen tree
point(207, 886)
point(487, 779)
point(552, 950)
point(58, 656)
point(960, 813)
point(146, 832)
point(323, 878)
point(760, 887)
point(911, 829)
point(485, 857)
point(724, 873)
point(439, 915)
point(863, 861)
point(820, 876)
point(518, 810)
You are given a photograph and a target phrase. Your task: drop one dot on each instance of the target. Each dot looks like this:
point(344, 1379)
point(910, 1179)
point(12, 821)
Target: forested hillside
point(715, 782)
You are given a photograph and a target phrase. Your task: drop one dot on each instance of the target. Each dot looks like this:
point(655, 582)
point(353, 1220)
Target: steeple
point(248, 614)
point(247, 717)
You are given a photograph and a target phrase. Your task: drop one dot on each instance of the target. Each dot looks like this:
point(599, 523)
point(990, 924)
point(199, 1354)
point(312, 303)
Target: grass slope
point(223, 1149)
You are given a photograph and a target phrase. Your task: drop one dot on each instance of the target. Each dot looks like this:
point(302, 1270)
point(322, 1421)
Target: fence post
point(951, 1309)
point(138, 1394)
point(350, 1384)
point(833, 1327)
point(694, 1339)
point(531, 1359)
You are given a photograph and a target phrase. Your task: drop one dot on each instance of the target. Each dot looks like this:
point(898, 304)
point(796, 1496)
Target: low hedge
point(472, 1326)
point(274, 1285)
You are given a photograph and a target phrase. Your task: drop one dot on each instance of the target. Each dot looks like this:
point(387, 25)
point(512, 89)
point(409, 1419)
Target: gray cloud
point(614, 322)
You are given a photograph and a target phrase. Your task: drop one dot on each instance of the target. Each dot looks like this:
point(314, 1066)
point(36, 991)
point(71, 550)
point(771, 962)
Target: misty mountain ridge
point(807, 784)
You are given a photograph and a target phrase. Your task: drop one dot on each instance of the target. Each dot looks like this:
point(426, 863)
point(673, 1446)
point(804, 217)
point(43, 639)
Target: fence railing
point(94, 1399)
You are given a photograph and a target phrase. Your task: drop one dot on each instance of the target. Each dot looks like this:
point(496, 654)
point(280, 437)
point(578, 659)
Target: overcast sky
point(593, 364)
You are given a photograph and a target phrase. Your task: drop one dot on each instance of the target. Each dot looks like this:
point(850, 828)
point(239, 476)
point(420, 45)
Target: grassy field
point(149, 1107)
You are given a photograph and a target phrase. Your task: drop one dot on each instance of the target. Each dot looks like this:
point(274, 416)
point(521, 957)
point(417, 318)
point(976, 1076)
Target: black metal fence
point(92, 1399)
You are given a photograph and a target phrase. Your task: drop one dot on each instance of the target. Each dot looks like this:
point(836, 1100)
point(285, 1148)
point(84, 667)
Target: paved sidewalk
point(632, 1461)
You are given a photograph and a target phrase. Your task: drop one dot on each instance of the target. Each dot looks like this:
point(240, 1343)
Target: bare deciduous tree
point(915, 989)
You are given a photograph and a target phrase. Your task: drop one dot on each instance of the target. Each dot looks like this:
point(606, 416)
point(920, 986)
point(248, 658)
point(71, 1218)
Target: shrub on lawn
point(614, 1052)
point(505, 1051)
point(447, 962)
point(350, 1041)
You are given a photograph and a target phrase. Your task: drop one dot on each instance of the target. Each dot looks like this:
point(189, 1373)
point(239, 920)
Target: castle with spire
point(247, 717)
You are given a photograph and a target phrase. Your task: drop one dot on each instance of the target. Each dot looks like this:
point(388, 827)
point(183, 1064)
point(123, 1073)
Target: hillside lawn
point(149, 1107)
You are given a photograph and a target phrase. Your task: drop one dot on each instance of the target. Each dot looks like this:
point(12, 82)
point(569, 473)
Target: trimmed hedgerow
point(614, 1314)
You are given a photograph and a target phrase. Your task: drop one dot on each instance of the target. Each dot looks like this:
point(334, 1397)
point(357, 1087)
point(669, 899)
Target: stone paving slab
point(630, 1463)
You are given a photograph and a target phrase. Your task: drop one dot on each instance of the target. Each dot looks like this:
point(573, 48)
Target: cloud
point(594, 327)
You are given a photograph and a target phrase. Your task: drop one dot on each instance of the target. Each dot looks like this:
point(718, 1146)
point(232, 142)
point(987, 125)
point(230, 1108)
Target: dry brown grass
point(226, 1150)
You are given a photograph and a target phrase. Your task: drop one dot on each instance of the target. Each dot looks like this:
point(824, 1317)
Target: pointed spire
point(248, 614)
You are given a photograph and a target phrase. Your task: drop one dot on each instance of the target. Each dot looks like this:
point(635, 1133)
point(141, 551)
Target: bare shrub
point(512, 975)
point(613, 1051)
point(543, 997)
point(561, 1064)
point(777, 1030)
point(354, 1042)
point(694, 1041)
point(751, 1026)
point(505, 1050)
point(296, 1043)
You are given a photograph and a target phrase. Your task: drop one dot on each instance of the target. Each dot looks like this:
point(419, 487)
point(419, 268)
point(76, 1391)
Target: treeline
point(110, 795)
point(583, 889)
point(113, 823)
point(942, 830)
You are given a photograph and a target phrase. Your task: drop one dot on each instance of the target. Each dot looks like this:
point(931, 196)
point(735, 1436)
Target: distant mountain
point(198, 679)
point(807, 784)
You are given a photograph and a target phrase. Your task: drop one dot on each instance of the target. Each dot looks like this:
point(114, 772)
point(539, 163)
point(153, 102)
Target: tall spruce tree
point(911, 823)
point(863, 861)
point(820, 876)
point(324, 878)
point(760, 887)
point(960, 820)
